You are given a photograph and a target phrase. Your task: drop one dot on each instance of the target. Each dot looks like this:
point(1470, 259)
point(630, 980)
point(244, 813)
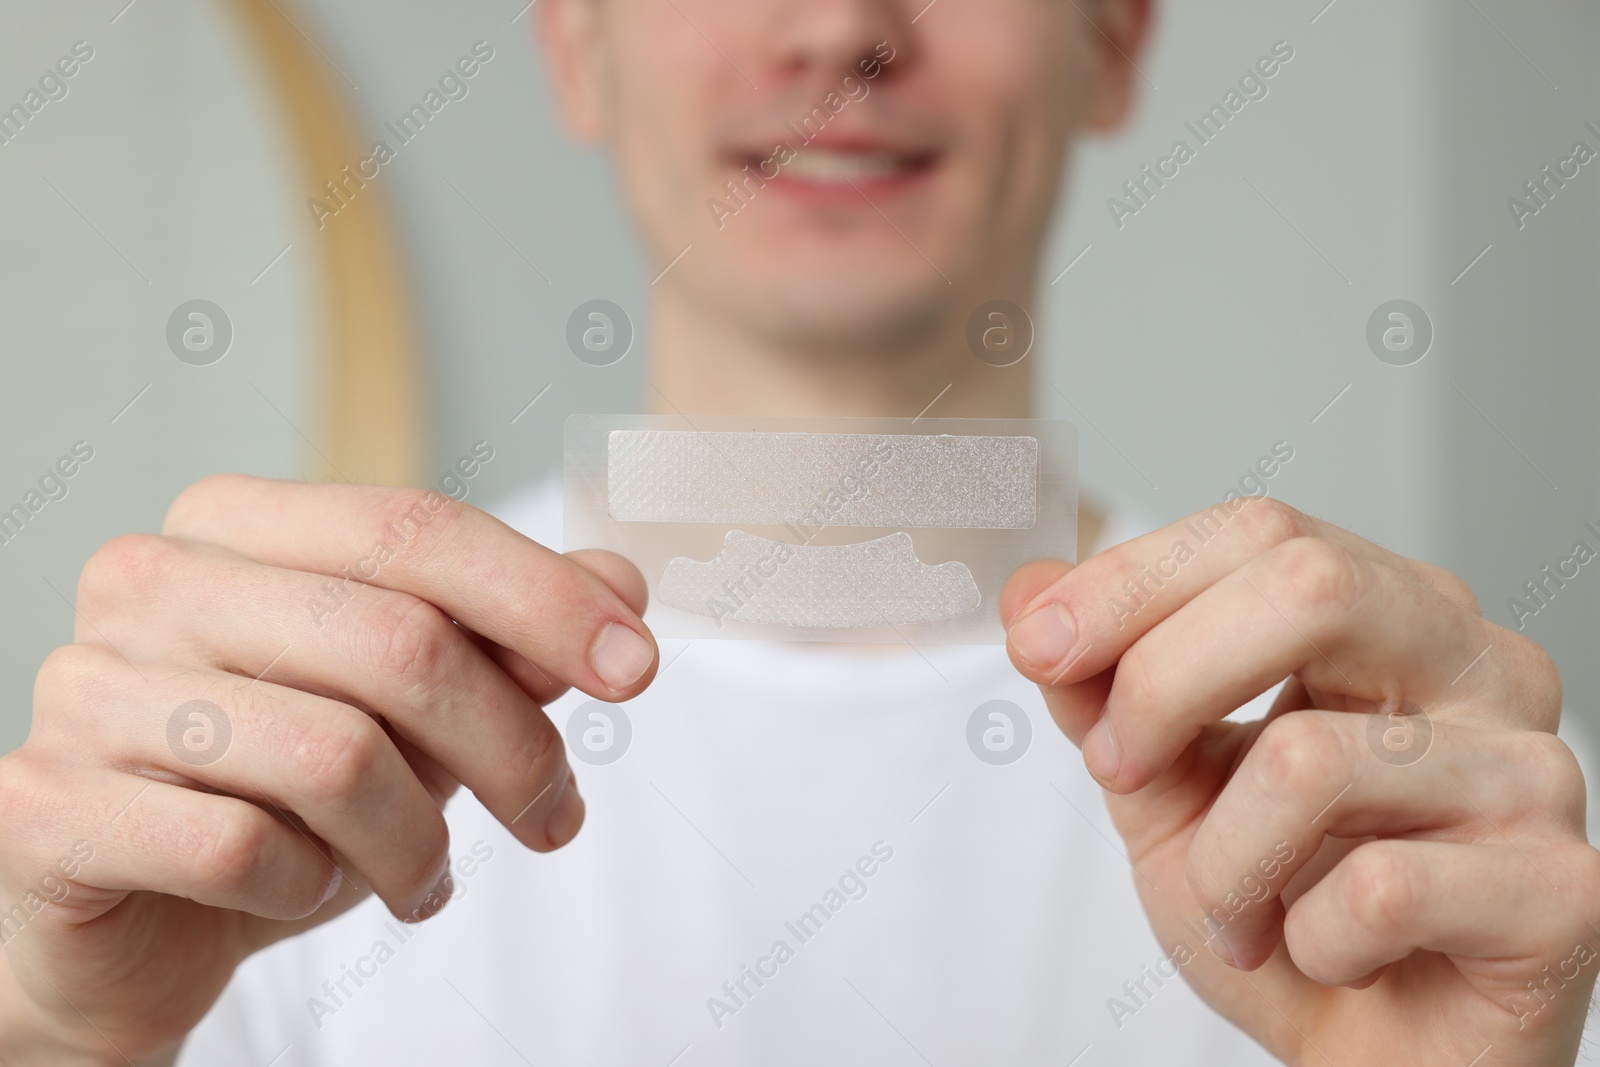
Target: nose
point(828, 37)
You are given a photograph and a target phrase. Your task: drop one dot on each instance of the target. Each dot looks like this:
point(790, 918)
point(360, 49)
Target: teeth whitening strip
point(975, 483)
point(861, 530)
point(874, 583)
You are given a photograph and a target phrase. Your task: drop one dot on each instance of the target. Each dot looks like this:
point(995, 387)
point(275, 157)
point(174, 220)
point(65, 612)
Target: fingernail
point(437, 898)
point(1043, 638)
point(565, 820)
point(620, 656)
point(1368, 982)
point(333, 888)
point(1101, 754)
point(1222, 950)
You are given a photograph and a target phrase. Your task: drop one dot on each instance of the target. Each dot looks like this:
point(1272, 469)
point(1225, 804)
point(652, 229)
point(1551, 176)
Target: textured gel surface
point(823, 479)
point(856, 530)
point(871, 583)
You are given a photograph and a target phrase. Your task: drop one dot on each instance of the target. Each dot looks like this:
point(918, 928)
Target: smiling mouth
point(831, 167)
point(832, 171)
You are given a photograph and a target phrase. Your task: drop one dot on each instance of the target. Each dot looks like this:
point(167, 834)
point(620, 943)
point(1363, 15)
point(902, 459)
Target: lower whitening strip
point(873, 583)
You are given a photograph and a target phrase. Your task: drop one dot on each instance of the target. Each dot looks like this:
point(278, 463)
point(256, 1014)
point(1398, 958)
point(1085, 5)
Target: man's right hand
point(337, 718)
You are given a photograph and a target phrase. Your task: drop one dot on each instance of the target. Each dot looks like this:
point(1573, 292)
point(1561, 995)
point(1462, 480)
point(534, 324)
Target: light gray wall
point(161, 177)
point(509, 228)
point(1223, 317)
point(1521, 477)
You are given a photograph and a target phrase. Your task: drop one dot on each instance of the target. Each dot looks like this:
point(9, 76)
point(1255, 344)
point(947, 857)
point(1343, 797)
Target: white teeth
point(824, 166)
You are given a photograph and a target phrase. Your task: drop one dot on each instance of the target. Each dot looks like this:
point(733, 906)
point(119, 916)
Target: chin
point(840, 288)
point(848, 314)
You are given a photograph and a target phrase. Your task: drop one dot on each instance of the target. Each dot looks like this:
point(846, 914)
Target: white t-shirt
point(798, 860)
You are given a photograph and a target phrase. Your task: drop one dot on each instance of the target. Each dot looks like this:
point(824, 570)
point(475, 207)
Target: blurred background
point(1228, 313)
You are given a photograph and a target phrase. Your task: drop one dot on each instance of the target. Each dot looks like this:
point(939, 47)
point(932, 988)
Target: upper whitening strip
point(809, 479)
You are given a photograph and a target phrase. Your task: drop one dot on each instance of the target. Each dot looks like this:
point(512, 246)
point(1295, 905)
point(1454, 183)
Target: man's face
point(848, 171)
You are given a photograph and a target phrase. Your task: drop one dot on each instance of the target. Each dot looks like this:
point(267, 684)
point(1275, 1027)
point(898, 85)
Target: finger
point(1315, 774)
point(1344, 625)
point(542, 688)
point(1292, 697)
point(1085, 620)
point(120, 832)
point(498, 583)
point(1075, 708)
point(624, 579)
point(1388, 899)
point(396, 656)
point(1026, 583)
point(324, 761)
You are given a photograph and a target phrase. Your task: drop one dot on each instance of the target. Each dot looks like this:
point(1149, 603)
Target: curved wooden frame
point(371, 424)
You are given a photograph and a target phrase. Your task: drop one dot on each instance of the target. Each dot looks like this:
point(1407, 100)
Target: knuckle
point(202, 500)
point(331, 763)
point(41, 819)
point(413, 642)
point(414, 520)
point(126, 564)
point(1299, 757)
point(1538, 679)
point(1583, 869)
point(1315, 577)
point(1266, 522)
point(71, 676)
point(1554, 777)
point(554, 592)
point(1382, 890)
point(229, 854)
point(1449, 584)
point(540, 591)
point(21, 790)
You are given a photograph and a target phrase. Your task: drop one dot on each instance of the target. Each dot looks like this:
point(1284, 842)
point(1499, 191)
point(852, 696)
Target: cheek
point(1018, 109)
point(663, 98)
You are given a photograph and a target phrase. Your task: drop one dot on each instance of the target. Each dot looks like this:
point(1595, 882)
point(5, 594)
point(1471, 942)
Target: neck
point(702, 363)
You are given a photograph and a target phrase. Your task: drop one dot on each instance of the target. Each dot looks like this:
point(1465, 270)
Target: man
point(798, 861)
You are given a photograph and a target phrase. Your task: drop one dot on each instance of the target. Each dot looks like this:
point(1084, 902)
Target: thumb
point(1075, 708)
point(1027, 582)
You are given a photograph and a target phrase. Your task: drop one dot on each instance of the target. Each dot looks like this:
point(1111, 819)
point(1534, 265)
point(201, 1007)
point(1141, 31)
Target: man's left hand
point(1393, 860)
